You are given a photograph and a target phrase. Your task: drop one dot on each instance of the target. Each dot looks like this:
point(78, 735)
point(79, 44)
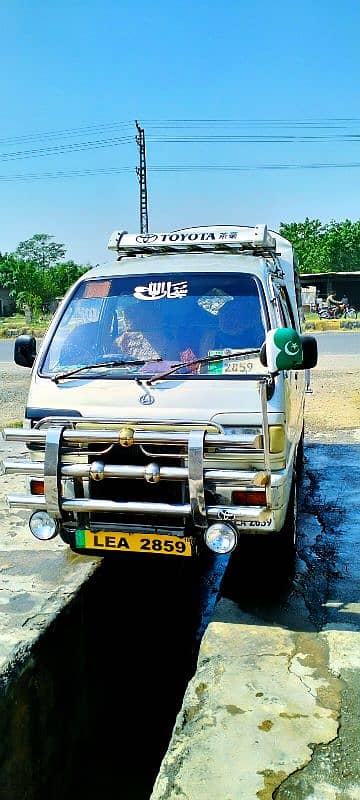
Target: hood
point(177, 400)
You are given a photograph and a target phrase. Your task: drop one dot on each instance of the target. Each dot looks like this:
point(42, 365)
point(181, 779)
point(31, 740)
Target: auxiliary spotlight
point(221, 538)
point(43, 526)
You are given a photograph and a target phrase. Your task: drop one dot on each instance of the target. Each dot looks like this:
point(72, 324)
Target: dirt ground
point(334, 404)
point(14, 385)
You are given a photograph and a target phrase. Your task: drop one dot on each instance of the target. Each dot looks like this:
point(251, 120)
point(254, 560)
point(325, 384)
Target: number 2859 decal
point(254, 523)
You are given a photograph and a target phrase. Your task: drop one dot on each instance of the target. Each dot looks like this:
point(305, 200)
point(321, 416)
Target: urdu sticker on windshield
point(157, 290)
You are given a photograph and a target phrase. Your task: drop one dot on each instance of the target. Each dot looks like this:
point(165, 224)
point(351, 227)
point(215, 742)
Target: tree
point(26, 283)
point(41, 250)
point(331, 247)
point(307, 239)
point(343, 246)
point(64, 275)
point(32, 286)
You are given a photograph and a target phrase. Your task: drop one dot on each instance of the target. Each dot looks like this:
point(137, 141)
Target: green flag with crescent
point(283, 349)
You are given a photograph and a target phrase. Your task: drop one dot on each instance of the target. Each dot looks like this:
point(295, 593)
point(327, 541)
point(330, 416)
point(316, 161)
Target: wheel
point(299, 459)
point(280, 547)
point(286, 537)
point(262, 567)
point(351, 313)
point(324, 314)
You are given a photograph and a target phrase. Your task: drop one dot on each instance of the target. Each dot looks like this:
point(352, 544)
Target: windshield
point(169, 320)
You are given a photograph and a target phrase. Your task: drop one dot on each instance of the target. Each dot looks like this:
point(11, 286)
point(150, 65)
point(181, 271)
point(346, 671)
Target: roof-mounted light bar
point(194, 239)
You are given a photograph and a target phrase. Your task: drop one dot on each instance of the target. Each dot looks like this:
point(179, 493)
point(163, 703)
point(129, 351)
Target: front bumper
point(84, 463)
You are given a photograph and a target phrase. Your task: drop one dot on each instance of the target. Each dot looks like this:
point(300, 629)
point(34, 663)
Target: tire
point(299, 459)
point(286, 537)
point(262, 566)
point(324, 315)
point(351, 313)
point(281, 546)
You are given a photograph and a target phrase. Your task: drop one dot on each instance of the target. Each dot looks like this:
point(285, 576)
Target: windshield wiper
point(206, 360)
point(140, 362)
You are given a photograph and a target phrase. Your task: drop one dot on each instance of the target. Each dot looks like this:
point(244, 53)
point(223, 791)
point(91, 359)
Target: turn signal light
point(37, 487)
point(277, 438)
point(248, 498)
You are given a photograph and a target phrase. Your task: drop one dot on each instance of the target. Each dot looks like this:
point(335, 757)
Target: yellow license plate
point(121, 541)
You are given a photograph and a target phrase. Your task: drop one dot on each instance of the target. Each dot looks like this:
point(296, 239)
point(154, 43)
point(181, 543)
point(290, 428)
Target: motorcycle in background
point(337, 312)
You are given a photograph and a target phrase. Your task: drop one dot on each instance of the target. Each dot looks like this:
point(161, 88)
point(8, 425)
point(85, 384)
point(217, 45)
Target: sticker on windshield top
point(97, 289)
point(157, 290)
point(238, 365)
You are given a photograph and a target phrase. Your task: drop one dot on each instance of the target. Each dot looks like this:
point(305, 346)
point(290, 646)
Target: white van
point(166, 405)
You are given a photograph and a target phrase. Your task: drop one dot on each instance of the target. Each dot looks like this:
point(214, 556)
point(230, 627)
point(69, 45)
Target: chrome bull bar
point(57, 435)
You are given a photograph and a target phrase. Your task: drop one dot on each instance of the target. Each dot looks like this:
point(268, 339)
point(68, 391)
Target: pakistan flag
point(283, 349)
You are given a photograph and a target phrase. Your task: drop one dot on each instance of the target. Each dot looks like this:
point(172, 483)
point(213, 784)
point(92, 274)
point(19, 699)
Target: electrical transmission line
point(175, 168)
point(178, 131)
point(326, 123)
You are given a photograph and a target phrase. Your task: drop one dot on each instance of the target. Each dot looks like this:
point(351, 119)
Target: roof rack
point(239, 239)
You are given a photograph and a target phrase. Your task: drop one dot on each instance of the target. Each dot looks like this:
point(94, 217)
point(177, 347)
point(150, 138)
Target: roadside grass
point(17, 324)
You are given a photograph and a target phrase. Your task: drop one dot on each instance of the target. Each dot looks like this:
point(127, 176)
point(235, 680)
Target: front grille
point(126, 489)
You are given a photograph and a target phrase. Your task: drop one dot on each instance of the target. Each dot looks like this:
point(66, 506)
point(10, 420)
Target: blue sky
point(94, 67)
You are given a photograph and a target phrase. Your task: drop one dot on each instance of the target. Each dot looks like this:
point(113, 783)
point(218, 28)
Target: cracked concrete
point(286, 663)
point(287, 700)
point(36, 579)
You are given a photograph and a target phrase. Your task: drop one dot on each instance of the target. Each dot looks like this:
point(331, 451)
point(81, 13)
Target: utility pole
point(141, 173)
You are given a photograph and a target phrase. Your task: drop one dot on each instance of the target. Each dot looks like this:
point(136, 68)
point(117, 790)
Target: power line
point(74, 173)
point(257, 138)
point(66, 132)
point(76, 147)
point(66, 148)
point(327, 124)
point(250, 167)
point(186, 168)
point(246, 120)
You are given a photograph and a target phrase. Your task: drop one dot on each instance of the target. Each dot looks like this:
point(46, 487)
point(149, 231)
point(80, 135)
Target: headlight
point(220, 538)
point(245, 437)
point(43, 526)
point(247, 432)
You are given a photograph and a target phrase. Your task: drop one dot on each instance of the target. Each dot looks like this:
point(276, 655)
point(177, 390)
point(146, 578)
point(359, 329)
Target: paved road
point(7, 350)
point(337, 343)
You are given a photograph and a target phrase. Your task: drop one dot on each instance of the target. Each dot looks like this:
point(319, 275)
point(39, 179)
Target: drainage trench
point(91, 712)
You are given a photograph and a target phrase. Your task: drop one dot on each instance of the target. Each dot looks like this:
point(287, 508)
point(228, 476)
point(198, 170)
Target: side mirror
point(285, 349)
point(310, 352)
point(25, 350)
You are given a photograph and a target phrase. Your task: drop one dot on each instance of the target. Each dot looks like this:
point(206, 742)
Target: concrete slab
point(37, 579)
point(273, 707)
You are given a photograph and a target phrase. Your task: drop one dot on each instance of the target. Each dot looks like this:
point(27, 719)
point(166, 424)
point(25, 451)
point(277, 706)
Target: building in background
point(343, 283)
point(7, 305)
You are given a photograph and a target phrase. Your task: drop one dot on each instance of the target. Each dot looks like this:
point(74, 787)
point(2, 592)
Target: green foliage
point(30, 281)
point(40, 250)
point(331, 247)
point(64, 275)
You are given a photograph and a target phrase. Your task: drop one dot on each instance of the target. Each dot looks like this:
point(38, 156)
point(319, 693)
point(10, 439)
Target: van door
point(294, 379)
